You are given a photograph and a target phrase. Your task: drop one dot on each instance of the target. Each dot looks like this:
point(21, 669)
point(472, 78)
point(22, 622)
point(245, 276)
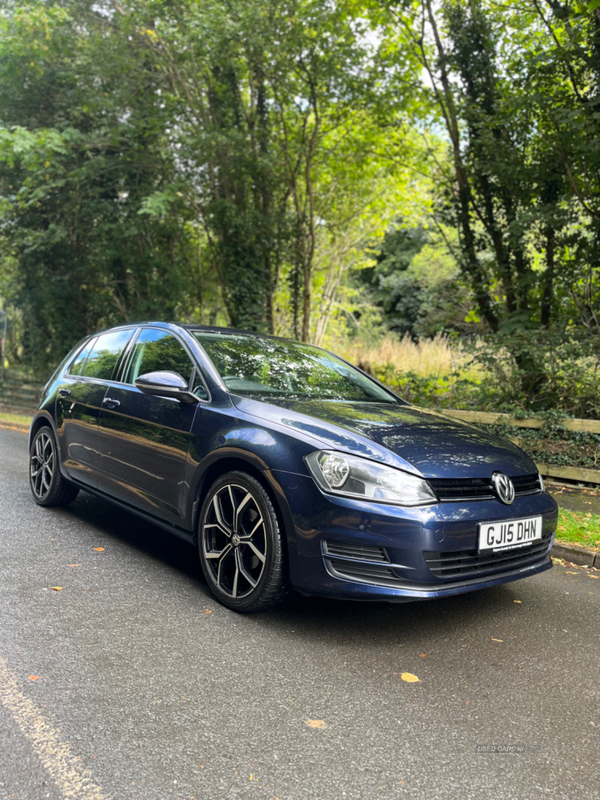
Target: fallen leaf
point(57, 588)
point(33, 677)
point(517, 601)
point(496, 640)
point(315, 723)
point(73, 565)
point(409, 677)
point(208, 610)
point(99, 549)
point(595, 577)
point(570, 572)
point(422, 655)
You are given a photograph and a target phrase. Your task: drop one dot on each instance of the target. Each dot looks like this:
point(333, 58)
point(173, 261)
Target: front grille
point(527, 484)
point(358, 552)
point(465, 563)
point(450, 490)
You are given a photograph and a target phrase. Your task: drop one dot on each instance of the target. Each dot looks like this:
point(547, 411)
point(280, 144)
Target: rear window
point(105, 353)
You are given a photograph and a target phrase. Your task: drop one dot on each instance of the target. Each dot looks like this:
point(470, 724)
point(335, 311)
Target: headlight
point(351, 476)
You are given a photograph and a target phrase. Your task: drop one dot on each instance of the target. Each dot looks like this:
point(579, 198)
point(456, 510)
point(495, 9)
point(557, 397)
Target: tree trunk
point(548, 277)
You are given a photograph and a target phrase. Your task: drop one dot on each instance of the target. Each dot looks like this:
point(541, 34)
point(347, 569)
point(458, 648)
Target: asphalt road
point(146, 687)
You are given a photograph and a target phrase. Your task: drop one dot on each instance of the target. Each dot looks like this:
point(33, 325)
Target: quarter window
point(77, 365)
point(105, 353)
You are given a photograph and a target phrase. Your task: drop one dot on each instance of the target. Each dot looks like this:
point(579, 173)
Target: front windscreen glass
point(270, 368)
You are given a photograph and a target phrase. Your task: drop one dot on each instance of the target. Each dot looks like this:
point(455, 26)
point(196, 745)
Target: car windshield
point(262, 367)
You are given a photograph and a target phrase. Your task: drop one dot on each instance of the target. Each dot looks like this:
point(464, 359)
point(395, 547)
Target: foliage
point(329, 171)
point(74, 174)
point(189, 160)
point(514, 86)
point(415, 281)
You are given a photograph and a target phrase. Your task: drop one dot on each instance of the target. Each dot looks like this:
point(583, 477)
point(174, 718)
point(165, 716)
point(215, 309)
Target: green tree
point(513, 183)
point(81, 148)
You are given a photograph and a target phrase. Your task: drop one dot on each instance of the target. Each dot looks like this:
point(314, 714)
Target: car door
point(144, 438)
point(79, 402)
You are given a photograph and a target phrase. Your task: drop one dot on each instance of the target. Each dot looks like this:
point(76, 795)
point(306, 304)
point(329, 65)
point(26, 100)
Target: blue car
point(287, 467)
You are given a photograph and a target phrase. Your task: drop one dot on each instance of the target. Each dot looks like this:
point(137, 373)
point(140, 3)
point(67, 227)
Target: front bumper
point(351, 549)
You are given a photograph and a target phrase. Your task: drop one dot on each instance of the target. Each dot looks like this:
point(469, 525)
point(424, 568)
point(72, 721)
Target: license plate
point(507, 534)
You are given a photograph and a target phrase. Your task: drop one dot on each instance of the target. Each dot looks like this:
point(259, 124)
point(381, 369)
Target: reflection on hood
point(430, 443)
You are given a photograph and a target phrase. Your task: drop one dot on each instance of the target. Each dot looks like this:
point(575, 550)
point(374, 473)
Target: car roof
point(191, 327)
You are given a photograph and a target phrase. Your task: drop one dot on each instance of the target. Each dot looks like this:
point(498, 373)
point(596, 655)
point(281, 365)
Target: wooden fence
point(18, 394)
point(547, 470)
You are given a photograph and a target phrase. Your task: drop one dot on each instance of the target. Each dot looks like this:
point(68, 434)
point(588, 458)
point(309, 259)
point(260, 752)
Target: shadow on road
point(346, 622)
point(138, 534)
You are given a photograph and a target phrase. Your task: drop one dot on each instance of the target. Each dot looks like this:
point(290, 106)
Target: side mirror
point(165, 384)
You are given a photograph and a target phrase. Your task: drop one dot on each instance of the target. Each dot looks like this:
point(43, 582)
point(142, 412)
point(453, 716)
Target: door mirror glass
point(165, 383)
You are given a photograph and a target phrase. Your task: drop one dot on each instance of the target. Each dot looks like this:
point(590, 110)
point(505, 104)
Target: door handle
point(110, 403)
point(64, 392)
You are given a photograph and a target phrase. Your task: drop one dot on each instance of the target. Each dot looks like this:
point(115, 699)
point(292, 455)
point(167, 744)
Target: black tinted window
point(157, 350)
point(105, 354)
point(252, 365)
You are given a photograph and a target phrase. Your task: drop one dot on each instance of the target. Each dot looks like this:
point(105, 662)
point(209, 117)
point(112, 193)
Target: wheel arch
point(231, 459)
point(41, 419)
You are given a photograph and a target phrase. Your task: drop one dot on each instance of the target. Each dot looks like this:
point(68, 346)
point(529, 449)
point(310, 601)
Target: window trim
point(126, 357)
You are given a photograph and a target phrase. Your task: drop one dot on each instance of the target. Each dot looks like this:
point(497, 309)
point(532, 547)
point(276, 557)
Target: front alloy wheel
point(48, 486)
point(241, 545)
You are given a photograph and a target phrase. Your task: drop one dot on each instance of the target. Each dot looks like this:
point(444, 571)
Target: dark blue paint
point(179, 445)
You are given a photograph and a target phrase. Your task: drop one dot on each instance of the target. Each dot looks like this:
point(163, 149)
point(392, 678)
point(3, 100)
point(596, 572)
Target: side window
point(105, 353)
point(157, 350)
point(77, 365)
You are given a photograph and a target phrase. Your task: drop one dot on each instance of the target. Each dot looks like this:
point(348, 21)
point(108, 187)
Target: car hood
point(422, 441)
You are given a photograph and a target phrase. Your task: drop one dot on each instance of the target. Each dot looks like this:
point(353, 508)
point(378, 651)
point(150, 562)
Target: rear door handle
point(64, 392)
point(110, 403)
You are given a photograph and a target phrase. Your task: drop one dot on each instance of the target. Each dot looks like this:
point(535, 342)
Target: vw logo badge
point(504, 487)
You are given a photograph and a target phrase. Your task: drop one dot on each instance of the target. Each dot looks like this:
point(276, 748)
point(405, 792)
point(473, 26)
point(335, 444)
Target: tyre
point(241, 546)
point(48, 486)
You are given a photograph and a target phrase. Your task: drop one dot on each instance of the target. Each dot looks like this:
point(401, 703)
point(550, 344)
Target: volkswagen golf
point(287, 468)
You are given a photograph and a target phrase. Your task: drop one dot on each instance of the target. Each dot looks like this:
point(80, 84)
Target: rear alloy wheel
point(48, 486)
point(241, 545)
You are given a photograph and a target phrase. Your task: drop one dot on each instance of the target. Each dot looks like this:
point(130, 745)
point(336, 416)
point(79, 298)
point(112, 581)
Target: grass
point(11, 419)
point(578, 528)
point(427, 357)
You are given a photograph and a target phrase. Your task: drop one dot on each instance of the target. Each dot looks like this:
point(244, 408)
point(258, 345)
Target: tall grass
point(435, 357)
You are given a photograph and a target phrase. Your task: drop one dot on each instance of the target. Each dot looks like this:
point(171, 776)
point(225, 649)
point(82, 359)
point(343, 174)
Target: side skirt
point(180, 532)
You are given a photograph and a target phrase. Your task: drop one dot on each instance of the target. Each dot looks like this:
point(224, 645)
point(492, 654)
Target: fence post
point(4, 319)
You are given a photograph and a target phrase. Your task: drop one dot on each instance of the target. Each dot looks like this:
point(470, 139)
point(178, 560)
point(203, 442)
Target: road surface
point(132, 682)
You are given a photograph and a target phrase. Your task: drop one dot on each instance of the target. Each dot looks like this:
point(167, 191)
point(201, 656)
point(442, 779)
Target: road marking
point(51, 748)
